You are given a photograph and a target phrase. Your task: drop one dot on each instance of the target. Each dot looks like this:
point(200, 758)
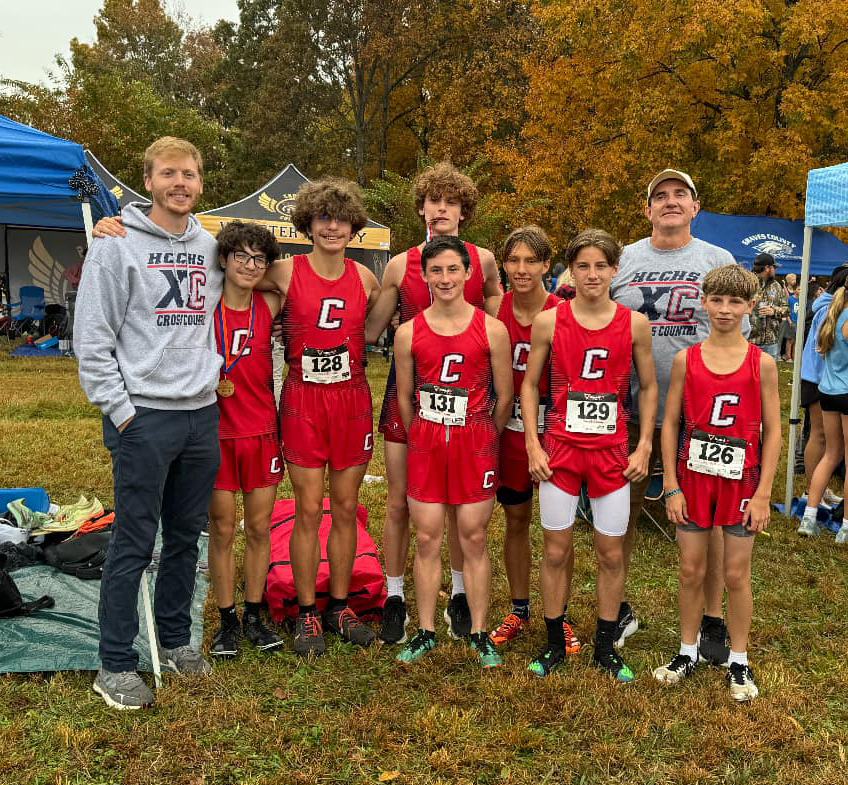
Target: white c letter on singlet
point(716, 415)
point(488, 478)
point(588, 371)
point(327, 305)
point(519, 356)
point(447, 375)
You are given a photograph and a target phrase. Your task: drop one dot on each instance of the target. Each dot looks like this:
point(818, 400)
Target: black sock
point(556, 635)
point(565, 611)
point(229, 617)
point(304, 609)
point(335, 604)
point(605, 633)
point(705, 620)
point(431, 634)
point(521, 608)
point(252, 609)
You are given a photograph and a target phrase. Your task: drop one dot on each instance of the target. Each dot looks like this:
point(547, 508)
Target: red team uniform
point(453, 442)
point(718, 461)
point(325, 403)
point(250, 448)
point(514, 468)
point(586, 424)
point(414, 296)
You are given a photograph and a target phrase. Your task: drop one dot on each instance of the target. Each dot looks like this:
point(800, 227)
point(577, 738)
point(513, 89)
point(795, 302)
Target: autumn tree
point(746, 96)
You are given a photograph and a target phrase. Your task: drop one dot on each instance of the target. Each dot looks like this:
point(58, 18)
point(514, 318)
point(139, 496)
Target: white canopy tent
point(827, 205)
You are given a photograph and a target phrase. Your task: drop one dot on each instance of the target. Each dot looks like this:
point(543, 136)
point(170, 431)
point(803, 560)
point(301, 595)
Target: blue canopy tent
point(46, 182)
point(827, 205)
point(745, 236)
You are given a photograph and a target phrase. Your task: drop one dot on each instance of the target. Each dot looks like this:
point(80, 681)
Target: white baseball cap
point(672, 174)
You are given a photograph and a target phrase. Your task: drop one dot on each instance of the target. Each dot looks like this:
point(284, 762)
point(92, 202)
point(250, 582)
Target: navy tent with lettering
point(745, 236)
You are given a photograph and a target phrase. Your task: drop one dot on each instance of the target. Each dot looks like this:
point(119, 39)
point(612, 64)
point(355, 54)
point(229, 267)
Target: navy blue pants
point(164, 465)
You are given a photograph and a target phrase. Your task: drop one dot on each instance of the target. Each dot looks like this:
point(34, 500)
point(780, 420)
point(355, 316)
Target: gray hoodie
point(144, 329)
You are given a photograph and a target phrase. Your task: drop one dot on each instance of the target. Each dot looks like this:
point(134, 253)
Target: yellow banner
point(371, 238)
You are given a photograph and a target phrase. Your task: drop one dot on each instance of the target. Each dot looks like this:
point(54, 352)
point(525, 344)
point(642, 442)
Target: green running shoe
point(482, 644)
point(609, 661)
point(420, 643)
point(547, 661)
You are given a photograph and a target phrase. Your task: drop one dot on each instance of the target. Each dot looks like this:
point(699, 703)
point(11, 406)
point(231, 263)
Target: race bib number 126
point(719, 456)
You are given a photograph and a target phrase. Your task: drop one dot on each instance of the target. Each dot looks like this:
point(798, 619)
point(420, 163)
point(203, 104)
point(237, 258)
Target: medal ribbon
point(224, 336)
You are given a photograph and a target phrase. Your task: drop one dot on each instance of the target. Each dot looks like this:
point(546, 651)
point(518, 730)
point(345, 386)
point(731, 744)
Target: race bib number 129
point(591, 412)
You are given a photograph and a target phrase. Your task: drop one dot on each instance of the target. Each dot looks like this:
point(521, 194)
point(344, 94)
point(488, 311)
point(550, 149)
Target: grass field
point(356, 716)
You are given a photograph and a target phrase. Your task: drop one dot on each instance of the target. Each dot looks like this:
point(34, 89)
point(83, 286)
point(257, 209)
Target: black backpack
point(11, 602)
point(81, 556)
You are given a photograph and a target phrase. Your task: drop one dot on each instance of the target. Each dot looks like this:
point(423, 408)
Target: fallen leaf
point(388, 776)
point(280, 694)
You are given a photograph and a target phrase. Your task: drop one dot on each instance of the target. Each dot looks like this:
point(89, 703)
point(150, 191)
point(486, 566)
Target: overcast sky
point(32, 32)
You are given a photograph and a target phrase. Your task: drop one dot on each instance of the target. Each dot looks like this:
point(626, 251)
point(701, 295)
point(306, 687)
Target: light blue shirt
point(834, 380)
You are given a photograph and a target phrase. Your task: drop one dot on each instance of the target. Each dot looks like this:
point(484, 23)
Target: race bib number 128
point(326, 366)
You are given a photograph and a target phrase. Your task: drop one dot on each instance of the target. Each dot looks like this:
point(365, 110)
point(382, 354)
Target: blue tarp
point(827, 196)
point(745, 236)
point(34, 172)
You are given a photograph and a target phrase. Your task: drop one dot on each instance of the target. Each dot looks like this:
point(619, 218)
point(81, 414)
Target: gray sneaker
point(184, 660)
point(123, 690)
point(842, 535)
point(808, 527)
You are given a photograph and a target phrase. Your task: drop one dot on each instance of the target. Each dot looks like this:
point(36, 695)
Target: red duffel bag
point(367, 593)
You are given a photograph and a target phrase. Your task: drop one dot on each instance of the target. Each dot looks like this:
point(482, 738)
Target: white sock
point(737, 656)
point(689, 650)
point(394, 586)
point(845, 524)
point(457, 583)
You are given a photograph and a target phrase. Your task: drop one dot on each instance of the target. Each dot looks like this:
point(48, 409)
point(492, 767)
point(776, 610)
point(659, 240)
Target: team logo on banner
point(777, 246)
point(283, 207)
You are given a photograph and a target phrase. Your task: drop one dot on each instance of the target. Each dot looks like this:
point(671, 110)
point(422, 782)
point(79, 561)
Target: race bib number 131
point(443, 405)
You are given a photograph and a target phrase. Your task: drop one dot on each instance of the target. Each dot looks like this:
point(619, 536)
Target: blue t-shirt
point(834, 380)
point(792, 301)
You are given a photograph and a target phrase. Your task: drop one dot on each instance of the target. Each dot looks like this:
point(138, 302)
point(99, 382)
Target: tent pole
point(796, 366)
point(87, 220)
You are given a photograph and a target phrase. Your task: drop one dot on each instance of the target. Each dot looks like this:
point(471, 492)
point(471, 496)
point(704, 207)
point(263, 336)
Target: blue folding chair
point(30, 311)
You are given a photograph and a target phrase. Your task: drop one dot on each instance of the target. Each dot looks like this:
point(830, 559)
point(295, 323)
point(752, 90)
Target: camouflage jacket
point(766, 329)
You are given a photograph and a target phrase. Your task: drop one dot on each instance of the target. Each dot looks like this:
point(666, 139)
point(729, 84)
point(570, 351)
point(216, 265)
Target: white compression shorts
point(610, 513)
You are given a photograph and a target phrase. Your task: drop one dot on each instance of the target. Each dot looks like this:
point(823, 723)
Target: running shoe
point(830, 498)
point(609, 661)
point(458, 616)
point(260, 634)
point(395, 619)
point(308, 635)
point(681, 667)
point(572, 642)
point(225, 642)
point(842, 534)
point(122, 690)
point(549, 659)
point(348, 625)
point(184, 660)
point(740, 678)
point(808, 527)
point(508, 630)
point(713, 646)
point(627, 624)
point(420, 643)
point(482, 644)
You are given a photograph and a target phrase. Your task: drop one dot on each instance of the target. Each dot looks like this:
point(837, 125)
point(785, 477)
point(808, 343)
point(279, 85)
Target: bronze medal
point(226, 388)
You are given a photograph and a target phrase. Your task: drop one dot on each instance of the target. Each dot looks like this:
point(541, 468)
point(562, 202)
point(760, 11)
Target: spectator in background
point(559, 269)
point(791, 321)
point(771, 307)
point(812, 367)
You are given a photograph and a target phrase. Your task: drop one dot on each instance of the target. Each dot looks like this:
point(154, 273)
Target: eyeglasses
point(260, 261)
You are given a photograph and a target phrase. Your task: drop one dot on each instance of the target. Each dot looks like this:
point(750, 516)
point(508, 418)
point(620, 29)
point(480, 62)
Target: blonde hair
point(171, 147)
point(444, 179)
point(827, 332)
point(732, 280)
